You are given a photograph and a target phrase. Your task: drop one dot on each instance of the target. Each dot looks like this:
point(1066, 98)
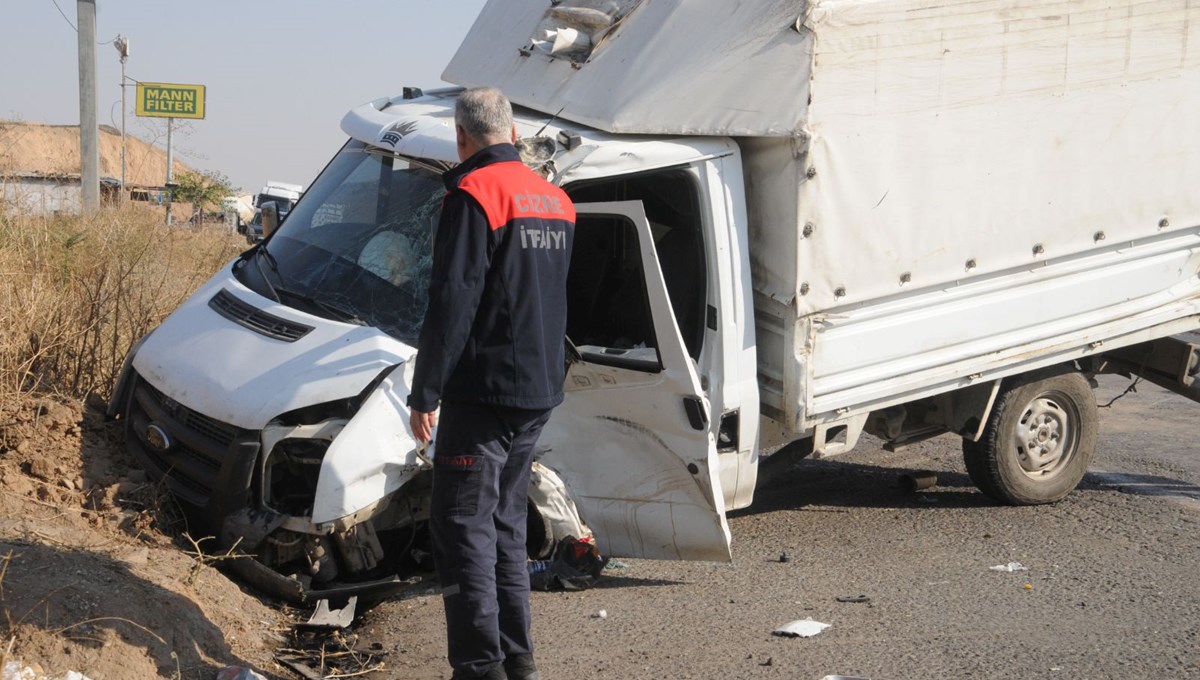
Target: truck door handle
point(696, 413)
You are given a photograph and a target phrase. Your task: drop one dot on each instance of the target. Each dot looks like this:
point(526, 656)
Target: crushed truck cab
point(273, 400)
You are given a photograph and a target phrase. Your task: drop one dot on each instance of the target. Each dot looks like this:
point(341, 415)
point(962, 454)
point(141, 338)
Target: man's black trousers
point(480, 490)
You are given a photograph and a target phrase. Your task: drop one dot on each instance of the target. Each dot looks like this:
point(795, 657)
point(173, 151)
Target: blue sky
point(279, 73)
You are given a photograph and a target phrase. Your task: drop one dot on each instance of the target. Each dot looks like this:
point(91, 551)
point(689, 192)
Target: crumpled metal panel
point(256, 381)
point(706, 67)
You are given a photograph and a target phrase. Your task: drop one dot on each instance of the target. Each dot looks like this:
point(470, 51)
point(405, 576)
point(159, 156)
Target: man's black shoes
point(496, 673)
point(521, 667)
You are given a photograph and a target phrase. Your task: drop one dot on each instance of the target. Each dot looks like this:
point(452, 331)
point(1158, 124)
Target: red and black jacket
point(497, 316)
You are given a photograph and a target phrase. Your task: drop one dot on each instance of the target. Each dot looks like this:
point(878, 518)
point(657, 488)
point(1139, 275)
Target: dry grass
point(76, 293)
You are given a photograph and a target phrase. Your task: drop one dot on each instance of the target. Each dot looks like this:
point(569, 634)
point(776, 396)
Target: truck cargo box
point(939, 192)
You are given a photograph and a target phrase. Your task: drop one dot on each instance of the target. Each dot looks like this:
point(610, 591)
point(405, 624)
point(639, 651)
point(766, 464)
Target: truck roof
point(281, 186)
point(423, 127)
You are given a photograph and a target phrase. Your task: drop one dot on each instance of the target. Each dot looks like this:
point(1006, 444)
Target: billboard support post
point(170, 183)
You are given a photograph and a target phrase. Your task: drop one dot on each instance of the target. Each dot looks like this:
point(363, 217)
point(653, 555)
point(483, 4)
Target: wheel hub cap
point(1045, 436)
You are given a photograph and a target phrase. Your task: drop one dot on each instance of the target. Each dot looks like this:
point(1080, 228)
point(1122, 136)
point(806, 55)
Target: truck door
point(633, 440)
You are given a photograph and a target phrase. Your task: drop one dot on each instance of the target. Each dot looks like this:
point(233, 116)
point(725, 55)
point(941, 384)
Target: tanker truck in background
point(796, 221)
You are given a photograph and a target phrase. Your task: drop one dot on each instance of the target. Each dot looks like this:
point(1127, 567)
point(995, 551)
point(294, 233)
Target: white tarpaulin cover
point(938, 132)
point(710, 67)
point(921, 175)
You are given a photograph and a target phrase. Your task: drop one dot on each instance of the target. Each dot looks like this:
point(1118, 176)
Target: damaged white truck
point(797, 221)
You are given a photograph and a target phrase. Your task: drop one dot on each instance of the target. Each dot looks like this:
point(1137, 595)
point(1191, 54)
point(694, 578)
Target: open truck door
point(633, 439)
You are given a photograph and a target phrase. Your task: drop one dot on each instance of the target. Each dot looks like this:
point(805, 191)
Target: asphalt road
point(1112, 588)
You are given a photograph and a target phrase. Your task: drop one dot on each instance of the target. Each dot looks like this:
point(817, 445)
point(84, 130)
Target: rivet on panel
point(1164, 223)
point(1099, 236)
point(804, 289)
point(906, 277)
point(839, 292)
point(812, 172)
point(971, 264)
point(809, 228)
point(1038, 249)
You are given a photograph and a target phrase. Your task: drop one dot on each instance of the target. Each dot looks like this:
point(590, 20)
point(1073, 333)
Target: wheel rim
point(1047, 435)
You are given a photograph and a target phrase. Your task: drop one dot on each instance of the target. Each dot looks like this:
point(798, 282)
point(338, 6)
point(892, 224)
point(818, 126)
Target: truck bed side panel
point(986, 186)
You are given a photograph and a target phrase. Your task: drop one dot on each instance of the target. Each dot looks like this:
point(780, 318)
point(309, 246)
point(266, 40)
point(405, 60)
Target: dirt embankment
point(31, 148)
point(89, 579)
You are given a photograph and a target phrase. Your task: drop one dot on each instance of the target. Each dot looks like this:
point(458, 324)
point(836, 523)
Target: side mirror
point(270, 217)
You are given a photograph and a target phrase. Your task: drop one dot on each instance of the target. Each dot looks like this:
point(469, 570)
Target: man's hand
point(422, 425)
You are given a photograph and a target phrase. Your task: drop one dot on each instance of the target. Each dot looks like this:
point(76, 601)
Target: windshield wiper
point(339, 313)
point(274, 267)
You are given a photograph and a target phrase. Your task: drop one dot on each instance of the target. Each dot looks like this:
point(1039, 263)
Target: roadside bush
point(76, 293)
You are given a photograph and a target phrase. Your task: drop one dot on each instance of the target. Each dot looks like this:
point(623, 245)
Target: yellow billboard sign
point(167, 100)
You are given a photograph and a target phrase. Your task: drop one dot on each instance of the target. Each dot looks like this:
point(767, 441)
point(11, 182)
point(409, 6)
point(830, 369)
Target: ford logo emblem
point(157, 438)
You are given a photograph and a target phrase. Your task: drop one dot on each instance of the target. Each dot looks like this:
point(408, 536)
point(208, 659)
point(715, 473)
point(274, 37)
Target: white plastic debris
point(802, 628)
point(238, 673)
point(1010, 567)
point(602, 614)
point(15, 671)
point(326, 617)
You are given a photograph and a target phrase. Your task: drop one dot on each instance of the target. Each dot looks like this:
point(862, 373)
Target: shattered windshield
point(357, 246)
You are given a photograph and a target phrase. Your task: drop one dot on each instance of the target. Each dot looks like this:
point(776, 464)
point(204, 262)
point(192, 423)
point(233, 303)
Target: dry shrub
point(77, 292)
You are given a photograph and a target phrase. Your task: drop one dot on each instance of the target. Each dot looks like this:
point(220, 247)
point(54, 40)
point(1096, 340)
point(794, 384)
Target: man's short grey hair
point(484, 113)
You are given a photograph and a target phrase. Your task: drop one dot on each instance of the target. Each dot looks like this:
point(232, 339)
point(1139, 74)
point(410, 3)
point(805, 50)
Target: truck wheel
point(1038, 441)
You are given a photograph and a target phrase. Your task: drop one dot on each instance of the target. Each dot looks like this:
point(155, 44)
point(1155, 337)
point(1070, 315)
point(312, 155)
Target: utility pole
point(89, 126)
point(122, 45)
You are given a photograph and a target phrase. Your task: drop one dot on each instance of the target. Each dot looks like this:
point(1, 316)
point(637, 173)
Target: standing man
point(491, 352)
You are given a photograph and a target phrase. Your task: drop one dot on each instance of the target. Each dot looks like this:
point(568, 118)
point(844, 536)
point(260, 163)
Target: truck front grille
point(200, 445)
point(216, 431)
point(228, 306)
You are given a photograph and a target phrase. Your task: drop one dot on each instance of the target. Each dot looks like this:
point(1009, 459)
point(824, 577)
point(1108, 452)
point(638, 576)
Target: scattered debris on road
point(854, 599)
point(318, 654)
point(13, 670)
point(238, 673)
point(576, 566)
point(1009, 568)
point(917, 481)
point(801, 628)
point(324, 617)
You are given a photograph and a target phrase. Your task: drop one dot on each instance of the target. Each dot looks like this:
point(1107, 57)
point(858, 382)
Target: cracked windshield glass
point(358, 245)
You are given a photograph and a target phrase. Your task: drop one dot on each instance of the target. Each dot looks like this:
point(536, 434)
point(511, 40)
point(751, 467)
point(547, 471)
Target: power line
point(64, 16)
point(73, 28)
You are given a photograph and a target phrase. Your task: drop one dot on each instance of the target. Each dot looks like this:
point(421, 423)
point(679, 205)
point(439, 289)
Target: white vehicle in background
point(797, 221)
point(238, 210)
point(283, 194)
point(282, 197)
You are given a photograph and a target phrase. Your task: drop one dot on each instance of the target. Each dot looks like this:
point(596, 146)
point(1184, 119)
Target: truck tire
point(1038, 441)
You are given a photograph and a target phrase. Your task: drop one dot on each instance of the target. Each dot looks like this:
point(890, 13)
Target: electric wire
point(75, 28)
point(64, 16)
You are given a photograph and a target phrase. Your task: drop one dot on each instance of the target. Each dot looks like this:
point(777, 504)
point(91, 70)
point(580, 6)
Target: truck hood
point(243, 377)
